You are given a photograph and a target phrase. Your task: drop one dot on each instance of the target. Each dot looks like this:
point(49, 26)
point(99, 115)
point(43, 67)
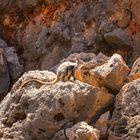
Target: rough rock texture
point(102, 124)
point(4, 75)
point(111, 73)
point(89, 58)
point(135, 71)
point(80, 131)
point(10, 67)
point(82, 73)
point(51, 30)
point(38, 112)
point(14, 66)
point(119, 38)
point(135, 27)
point(125, 122)
point(45, 33)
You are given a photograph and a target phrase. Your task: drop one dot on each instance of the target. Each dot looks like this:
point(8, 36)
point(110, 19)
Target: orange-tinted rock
point(79, 131)
point(82, 131)
point(111, 74)
point(135, 71)
point(83, 74)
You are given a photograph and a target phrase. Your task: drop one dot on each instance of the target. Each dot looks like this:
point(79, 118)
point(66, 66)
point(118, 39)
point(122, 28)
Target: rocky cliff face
point(72, 109)
point(42, 34)
point(50, 30)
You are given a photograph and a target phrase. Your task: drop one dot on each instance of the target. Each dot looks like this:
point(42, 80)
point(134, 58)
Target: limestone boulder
point(135, 71)
point(38, 111)
point(125, 123)
point(80, 131)
point(40, 75)
point(111, 74)
point(108, 73)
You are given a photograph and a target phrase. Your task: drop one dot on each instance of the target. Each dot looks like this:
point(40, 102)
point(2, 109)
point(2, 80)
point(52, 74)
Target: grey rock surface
point(38, 111)
point(80, 131)
point(125, 122)
point(120, 38)
point(4, 75)
point(14, 66)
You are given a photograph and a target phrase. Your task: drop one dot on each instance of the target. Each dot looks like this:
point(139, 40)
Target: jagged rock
point(51, 30)
point(40, 111)
point(136, 46)
point(111, 74)
point(102, 125)
point(135, 71)
point(82, 73)
point(135, 29)
point(119, 38)
point(82, 56)
point(34, 41)
point(125, 18)
point(46, 47)
point(135, 10)
point(15, 68)
point(3, 44)
point(125, 122)
point(85, 57)
point(78, 44)
point(111, 137)
point(26, 5)
point(4, 75)
point(22, 4)
point(58, 44)
point(80, 131)
point(88, 57)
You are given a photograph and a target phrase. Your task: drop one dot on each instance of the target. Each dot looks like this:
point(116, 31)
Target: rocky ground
point(103, 102)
